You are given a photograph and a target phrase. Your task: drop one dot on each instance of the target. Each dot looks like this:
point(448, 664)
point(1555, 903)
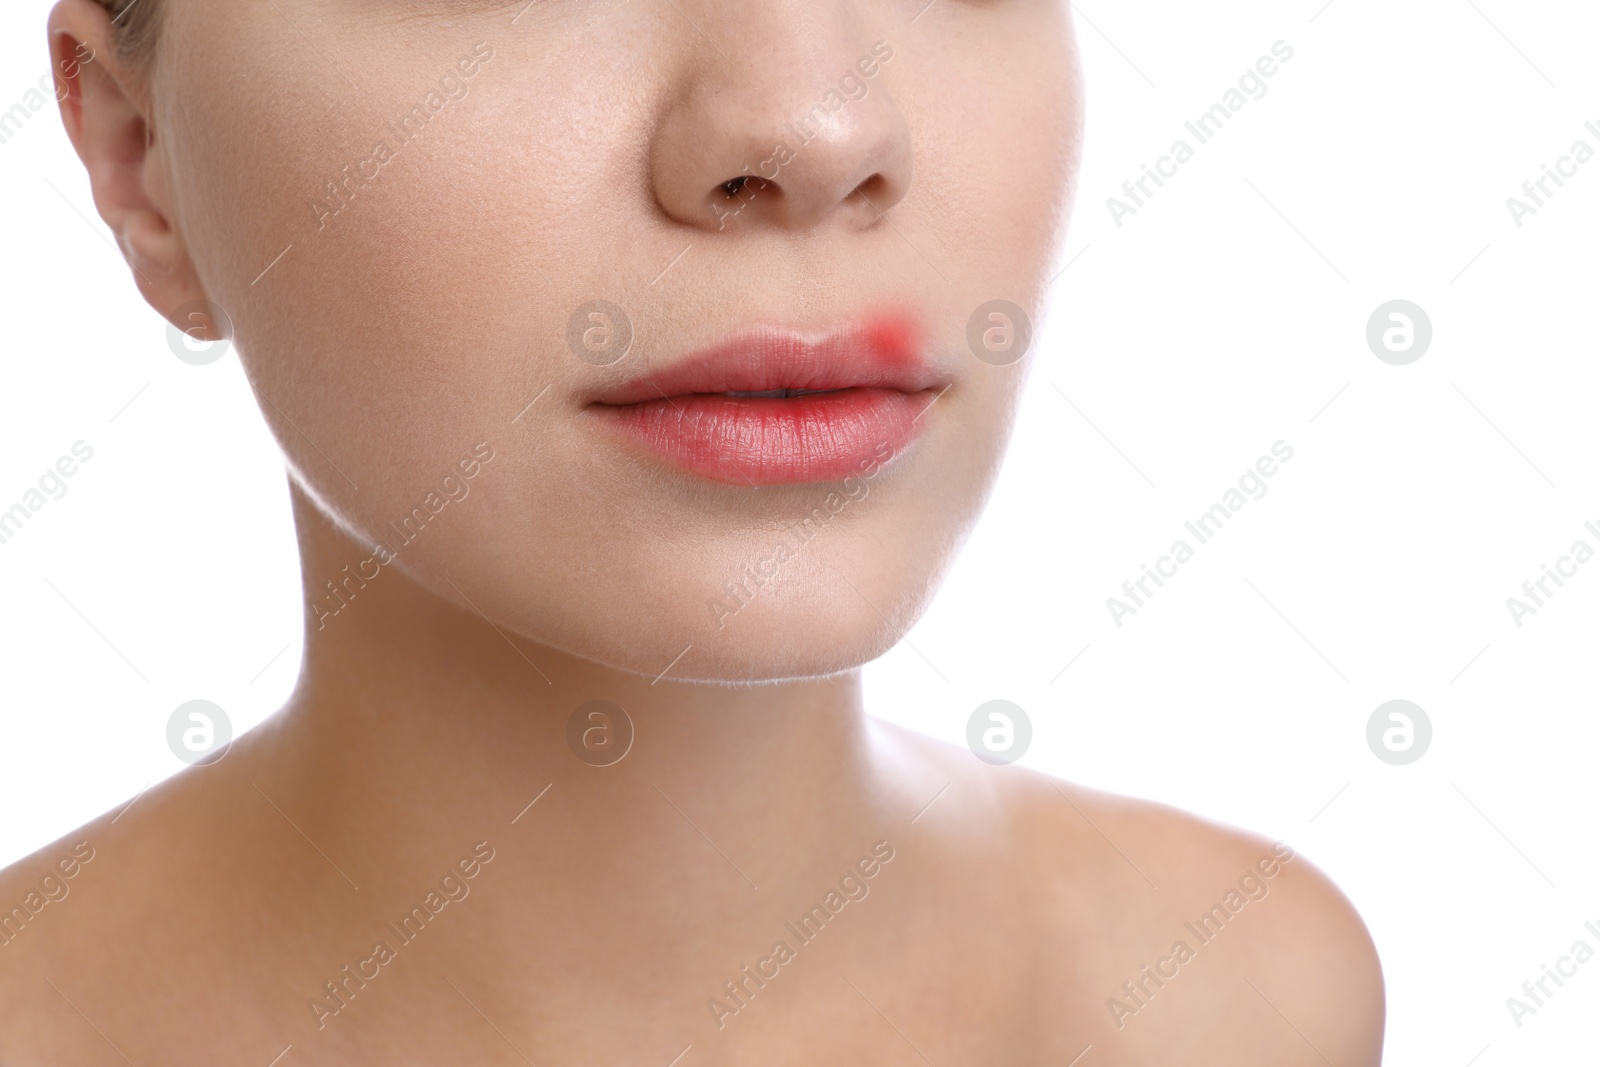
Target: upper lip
point(767, 358)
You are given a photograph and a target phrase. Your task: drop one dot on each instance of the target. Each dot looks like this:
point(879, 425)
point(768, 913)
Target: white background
point(1227, 314)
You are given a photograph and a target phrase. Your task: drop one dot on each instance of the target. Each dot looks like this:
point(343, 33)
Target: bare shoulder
point(40, 899)
point(1177, 938)
point(1209, 929)
point(89, 923)
point(34, 890)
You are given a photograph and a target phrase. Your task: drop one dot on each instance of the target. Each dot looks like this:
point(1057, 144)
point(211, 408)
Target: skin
point(433, 708)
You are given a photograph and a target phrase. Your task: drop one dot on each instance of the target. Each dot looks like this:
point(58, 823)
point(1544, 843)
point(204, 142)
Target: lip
point(864, 388)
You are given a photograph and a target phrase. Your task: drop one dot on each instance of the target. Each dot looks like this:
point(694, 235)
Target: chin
point(787, 649)
point(803, 629)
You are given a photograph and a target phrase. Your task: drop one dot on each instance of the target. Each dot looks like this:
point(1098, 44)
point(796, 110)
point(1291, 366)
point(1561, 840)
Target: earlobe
point(105, 108)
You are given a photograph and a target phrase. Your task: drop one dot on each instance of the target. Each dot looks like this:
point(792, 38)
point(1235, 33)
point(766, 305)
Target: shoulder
point(1166, 929)
point(1207, 928)
point(86, 920)
point(32, 889)
point(40, 896)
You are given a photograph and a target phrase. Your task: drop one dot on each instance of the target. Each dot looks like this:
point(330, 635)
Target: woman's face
point(450, 229)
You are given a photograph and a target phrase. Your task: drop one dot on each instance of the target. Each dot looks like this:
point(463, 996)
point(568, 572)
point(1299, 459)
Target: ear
point(106, 107)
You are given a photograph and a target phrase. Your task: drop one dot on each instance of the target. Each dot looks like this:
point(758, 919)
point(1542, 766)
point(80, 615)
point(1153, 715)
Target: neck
point(418, 728)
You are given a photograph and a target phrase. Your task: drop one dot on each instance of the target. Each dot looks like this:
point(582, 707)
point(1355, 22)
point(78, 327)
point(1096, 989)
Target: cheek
point(999, 123)
point(412, 313)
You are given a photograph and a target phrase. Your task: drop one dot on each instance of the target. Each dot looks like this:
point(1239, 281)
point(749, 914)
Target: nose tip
point(782, 154)
point(850, 177)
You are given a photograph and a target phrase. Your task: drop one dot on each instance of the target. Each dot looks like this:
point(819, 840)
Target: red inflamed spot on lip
point(895, 336)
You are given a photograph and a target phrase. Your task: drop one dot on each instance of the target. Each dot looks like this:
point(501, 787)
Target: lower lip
point(774, 441)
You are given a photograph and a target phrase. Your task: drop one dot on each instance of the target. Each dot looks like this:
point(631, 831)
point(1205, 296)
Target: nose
point(796, 131)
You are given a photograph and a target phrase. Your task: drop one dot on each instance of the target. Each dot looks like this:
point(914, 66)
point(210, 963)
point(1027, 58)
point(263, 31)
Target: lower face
point(755, 422)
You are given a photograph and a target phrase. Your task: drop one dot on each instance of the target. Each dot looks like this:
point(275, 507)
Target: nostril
point(874, 189)
point(734, 186)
